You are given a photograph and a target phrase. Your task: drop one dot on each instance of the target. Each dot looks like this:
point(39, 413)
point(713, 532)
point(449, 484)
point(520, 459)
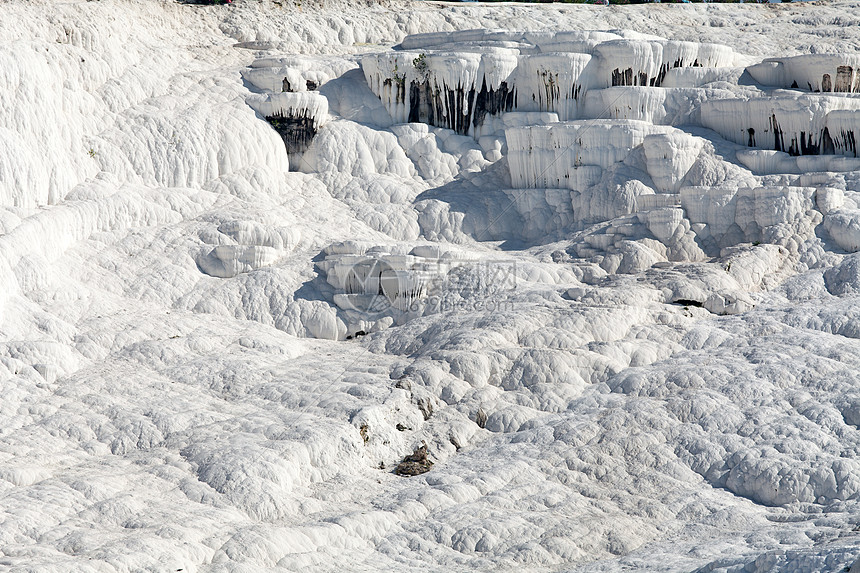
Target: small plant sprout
point(421, 66)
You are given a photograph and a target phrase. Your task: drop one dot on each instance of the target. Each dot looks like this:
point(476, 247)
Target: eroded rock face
point(797, 124)
point(414, 464)
point(610, 140)
point(844, 278)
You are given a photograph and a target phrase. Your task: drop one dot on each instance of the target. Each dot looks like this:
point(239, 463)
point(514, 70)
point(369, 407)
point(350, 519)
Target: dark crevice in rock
point(688, 302)
point(847, 142)
point(448, 108)
point(297, 132)
point(777, 134)
point(826, 146)
point(492, 102)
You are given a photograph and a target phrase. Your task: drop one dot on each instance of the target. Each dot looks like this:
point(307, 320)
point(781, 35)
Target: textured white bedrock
point(763, 214)
point(538, 38)
point(669, 156)
point(295, 73)
point(767, 162)
point(651, 365)
point(659, 105)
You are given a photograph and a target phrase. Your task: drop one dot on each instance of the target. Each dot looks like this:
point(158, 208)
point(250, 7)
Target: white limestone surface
point(641, 356)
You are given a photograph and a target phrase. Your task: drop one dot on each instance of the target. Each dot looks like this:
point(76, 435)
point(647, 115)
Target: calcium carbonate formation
point(295, 116)
point(622, 126)
point(461, 78)
point(489, 300)
point(614, 135)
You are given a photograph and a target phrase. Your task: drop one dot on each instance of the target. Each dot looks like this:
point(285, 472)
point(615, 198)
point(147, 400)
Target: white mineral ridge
point(628, 335)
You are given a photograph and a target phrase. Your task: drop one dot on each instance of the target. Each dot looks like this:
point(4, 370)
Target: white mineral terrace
point(797, 123)
point(813, 72)
point(429, 287)
point(457, 88)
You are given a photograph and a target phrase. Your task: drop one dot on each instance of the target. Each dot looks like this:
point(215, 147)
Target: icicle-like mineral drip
point(444, 88)
point(639, 63)
point(548, 156)
point(495, 92)
point(386, 75)
point(796, 124)
point(843, 128)
point(473, 78)
point(452, 90)
point(295, 116)
point(628, 63)
point(552, 82)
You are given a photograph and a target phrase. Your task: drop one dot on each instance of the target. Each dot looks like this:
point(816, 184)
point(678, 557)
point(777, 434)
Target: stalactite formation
point(296, 131)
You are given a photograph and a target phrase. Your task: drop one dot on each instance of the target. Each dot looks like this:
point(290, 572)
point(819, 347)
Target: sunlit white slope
point(644, 359)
